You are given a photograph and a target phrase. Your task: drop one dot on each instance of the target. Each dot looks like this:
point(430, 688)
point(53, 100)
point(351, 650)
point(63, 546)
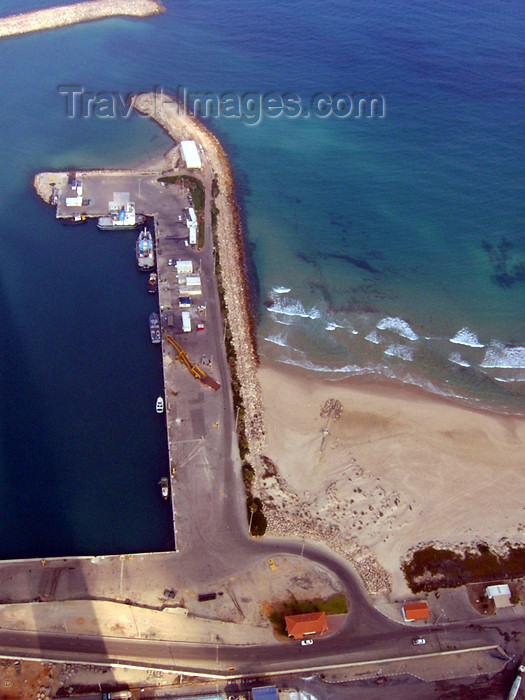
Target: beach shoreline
point(401, 469)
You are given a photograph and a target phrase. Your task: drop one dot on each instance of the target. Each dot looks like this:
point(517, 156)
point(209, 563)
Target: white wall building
point(190, 154)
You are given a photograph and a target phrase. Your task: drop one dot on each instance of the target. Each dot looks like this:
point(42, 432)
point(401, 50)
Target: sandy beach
point(400, 468)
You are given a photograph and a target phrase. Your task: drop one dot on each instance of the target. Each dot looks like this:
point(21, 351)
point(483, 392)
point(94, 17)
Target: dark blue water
point(393, 236)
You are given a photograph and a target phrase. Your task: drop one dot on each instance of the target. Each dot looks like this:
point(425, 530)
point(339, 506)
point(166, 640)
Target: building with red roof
point(415, 611)
point(307, 624)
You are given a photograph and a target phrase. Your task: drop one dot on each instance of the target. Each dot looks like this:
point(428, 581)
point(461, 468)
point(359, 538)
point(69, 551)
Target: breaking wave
point(467, 337)
point(277, 340)
point(397, 325)
point(281, 290)
point(503, 357)
point(294, 308)
point(373, 337)
point(456, 358)
point(401, 351)
point(347, 369)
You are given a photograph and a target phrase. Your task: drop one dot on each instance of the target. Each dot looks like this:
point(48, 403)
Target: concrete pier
point(67, 15)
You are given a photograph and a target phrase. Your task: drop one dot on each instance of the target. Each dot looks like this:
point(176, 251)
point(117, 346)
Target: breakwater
point(179, 124)
point(67, 15)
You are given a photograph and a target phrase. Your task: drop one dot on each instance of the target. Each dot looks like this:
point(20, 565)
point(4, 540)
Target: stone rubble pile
point(377, 580)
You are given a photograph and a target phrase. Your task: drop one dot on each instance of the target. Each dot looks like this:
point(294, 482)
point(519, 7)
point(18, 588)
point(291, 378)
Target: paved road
point(212, 536)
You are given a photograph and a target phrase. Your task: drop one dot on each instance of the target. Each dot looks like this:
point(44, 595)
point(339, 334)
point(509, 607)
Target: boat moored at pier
point(154, 328)
point(74, 220)
point(164, 487)
point(144, 250)
point(153, 283)
point(122, 220)
point(159, 406)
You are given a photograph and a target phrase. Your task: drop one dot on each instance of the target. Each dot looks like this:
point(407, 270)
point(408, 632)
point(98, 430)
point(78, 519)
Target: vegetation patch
point(336, 605)
point(430, 568)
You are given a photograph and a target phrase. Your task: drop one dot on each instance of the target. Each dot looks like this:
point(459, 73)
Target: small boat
point(164, 487)
point(152, 283)
point(144, 250)
point(122, 220)
point(159, 406)
point(154, 327)
point(74, 220)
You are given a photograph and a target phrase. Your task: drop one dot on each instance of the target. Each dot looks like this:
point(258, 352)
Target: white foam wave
point(401, 351)
point(467, 337)
point(397, 325)
point(281, 290)
point(294, 308)
point(277, 340)
point(347, 369)
point(373, 337)
point(456, 358)
point(501, 356)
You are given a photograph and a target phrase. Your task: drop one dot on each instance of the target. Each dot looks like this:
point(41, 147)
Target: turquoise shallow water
point(373, 243)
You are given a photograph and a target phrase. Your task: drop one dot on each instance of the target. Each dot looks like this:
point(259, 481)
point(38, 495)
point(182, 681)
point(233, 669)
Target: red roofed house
point(297, 626)
point(415, 611)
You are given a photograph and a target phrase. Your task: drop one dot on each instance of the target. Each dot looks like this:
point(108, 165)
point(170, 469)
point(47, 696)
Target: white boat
point(144, 250)
point(159, 407)
point(122, 220)
point(164, 487)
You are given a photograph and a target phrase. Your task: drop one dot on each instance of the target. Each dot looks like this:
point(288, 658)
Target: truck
point(74, 201)
point(186, 322)
point(192, 234)
point(516, 685)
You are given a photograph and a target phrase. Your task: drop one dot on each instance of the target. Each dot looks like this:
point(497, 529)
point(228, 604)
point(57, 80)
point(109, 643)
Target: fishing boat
point(164, 487)
point(144, 250)
point(153, 283)
point(154, 327)
point(122, 220)
point(159, 406)
point(74, 220)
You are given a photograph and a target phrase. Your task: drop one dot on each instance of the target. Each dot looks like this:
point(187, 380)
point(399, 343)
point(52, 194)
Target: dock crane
point(195, 370)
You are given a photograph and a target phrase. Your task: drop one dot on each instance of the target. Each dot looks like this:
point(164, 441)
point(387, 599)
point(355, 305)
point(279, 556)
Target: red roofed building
point(415, 611)
point(297, 626)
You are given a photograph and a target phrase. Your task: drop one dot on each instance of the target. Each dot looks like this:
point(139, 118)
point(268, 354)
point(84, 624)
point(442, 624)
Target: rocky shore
point(180, 125)
point(66, 15)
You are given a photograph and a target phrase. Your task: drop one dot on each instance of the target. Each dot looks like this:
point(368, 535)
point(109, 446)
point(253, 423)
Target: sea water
point(391, 247)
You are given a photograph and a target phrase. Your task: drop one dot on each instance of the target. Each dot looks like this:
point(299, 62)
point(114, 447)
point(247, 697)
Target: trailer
point(186, 322)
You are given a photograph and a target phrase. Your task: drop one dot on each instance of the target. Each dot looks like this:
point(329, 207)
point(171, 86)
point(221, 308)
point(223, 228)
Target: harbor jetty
point(66, 15)
point(181, 125)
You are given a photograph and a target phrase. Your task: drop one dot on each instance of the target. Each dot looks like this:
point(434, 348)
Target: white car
point(306, 642)
point(418, 641)
point(170, 261)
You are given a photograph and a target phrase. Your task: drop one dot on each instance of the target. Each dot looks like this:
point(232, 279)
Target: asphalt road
point(212, 541)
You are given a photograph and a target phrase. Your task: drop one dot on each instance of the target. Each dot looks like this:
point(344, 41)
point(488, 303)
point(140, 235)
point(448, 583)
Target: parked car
point(306, 642)
point(418, 641)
